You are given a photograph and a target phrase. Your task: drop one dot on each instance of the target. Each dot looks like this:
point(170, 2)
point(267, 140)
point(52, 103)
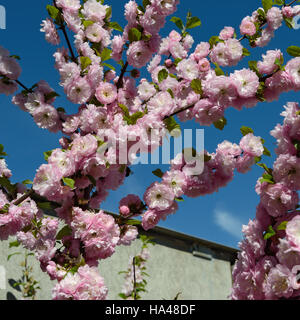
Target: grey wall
point(172, 266)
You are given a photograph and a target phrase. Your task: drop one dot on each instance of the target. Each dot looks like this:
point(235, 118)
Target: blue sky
point(217, 217)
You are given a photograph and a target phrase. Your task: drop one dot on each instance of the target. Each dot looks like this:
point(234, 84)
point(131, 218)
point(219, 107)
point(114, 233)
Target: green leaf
point(122, 295)
point(14, 244)
point(179, 199)
point(132, 222)
point(267, 4)
point(54, 13)
point(124, 109)
point(47, 154)
point(253, 67)
point(193, 23)
point(146, 3)
point(293, 51)
point(219, 71)
point(289, 22)
point(171, 93)
point(105, 54)
point(282, 225)
point(85, 62)
point(115, 26)
point(213, 41)
point(196, 85)
point(11, 255)
point(47, 205)
point(267, 152)
point(158, 173)
point(2, 153)
point(108, 66)
point(25, 182)
point(15, 57)
point(269, 233)
point(69, 182)
point(172, 126)
point(65, 231)
point(4, 182)
point(60, 109)
point(88, 23)
point(246, 52)
point(246, 130)
point(178, 22)
point(51, 95)
point(162, 75)
point(108, 13)
point(221, 123)
point(262, 165)
point(134, 35)
point(207, 158)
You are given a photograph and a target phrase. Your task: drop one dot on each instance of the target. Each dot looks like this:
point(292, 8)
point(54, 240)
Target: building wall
point(199, 269)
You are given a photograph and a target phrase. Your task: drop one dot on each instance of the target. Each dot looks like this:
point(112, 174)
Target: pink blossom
point(246, 82)
point(202, 50)
point(176, 180)
point(95, 11)
point(277, 199)
point(138, 54)
point(85, 284)
point(47, 117)
point(287, 171)
point(247, 27)
point(128, 234)
point(268, 64)
point(9, 67)
point(51, 34)
point(106, 93)
point(187, 69)
point(274, 18)
point(252, 145)
point(293, 69)
point(159, 196)
point(278, 283)
point(150, 219)
point(78, 91)
point(226, 33)
point(4, 171)
point(131, 205)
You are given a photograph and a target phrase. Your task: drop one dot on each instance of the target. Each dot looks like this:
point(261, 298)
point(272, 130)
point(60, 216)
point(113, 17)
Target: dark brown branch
point(120, 81)
point(24, 197)
point(63, 28)
point(23, 86)
point(134, 279)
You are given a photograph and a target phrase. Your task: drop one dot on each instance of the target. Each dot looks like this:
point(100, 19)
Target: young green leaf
point(293, 51)
point(158, 173)
point(178, 22)
point(162, 75)
point(193, 23)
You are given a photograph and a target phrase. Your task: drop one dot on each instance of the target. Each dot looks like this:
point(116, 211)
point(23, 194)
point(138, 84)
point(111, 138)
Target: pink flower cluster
point(120, 116)
point(218, 171)
point(85, 284)
point(9, 70)
point(269, 262)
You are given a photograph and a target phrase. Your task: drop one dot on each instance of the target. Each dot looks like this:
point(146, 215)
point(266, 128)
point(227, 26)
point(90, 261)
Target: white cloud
point(228, 223)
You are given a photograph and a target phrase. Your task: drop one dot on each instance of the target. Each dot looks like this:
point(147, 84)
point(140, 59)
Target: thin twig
point(134, 278)
point(120, 81)
point(22, 85)
point(63, 28)
point(291, 3)
point(24, 197)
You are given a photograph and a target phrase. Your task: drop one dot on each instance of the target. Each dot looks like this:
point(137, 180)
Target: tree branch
point(23, 198)
point(120, 81)
point(63, 28)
